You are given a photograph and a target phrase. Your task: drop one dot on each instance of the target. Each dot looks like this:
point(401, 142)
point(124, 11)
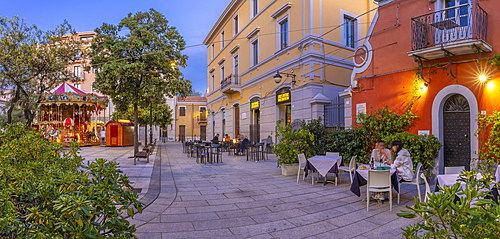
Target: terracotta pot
point(289, 169)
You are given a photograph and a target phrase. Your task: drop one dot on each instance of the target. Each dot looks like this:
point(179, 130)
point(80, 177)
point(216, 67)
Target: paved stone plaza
point(246, 199)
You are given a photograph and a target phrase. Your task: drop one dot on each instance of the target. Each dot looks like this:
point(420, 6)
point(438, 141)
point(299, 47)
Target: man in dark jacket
point(216, 139)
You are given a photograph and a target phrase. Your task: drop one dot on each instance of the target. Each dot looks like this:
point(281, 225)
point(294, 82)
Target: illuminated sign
point(284, 97)
point(254, 105)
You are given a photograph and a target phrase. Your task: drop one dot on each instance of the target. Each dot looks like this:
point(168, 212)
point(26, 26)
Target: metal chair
point(415, 180)
point(351, 169)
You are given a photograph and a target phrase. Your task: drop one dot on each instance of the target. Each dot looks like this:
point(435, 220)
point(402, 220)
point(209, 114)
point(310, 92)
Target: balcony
point(452, 31)
point(202, 119)
point(230, 85)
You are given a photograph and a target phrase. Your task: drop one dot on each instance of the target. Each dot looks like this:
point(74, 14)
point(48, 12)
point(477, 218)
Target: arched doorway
point(456, 132)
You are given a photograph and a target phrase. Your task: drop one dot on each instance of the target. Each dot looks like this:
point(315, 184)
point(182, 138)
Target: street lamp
point(278, 77)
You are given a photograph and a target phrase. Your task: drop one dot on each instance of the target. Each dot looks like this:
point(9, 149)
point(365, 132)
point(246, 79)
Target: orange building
point(449, 42)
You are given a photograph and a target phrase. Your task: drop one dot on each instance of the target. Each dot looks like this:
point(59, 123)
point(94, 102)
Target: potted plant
point(290, 144)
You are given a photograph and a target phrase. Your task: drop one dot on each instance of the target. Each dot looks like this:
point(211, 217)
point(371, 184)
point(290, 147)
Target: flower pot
point(289, 169)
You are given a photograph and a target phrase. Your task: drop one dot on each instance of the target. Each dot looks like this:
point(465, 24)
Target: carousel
point(65, 116)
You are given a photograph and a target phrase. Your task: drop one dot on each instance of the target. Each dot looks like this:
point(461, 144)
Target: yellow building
point(190, 119)
point(309, 42)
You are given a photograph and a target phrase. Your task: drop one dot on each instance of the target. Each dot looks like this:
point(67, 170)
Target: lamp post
point(278, 77)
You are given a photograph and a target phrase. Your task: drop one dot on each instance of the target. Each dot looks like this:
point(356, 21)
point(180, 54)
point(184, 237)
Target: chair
point(415, 180)
point(379, 181)
point(427, 188)
point(351, 169)
point(302, 166)
point(453, 170)
point(332, 154)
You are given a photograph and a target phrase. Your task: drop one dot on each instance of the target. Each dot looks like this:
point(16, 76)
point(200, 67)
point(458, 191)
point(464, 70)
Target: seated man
point(226, 139)
point(215, 140)
point(381, 154)
point(243, 144)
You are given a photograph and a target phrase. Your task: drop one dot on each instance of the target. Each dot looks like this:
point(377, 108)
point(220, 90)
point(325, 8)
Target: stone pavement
point(246, 199)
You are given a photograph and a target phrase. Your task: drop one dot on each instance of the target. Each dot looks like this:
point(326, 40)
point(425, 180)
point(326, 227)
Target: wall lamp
point(278, 77)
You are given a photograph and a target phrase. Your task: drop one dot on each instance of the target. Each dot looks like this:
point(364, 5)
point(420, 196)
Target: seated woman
point(403, 162)
point(381, 154)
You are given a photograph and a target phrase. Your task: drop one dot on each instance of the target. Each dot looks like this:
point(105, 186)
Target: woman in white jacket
point(403, 162)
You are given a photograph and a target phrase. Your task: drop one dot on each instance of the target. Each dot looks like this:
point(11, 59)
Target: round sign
point(360, 56)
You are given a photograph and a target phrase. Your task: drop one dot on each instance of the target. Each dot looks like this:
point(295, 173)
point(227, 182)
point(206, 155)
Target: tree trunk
point(145, 134)
point(136, 130)
point(9, 113)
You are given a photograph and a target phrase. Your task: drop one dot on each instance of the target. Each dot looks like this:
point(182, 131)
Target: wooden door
point(182, 133)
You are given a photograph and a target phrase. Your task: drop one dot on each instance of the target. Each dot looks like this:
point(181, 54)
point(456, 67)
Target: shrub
point(290, 143)
point(423, 148)
point(471, 217)
point(348, 143)
point(488, 133)
point(318, 129)
point(48, 193)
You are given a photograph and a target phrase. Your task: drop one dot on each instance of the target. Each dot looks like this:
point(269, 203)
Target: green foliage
point(33, 61)
point(16, 116)
point(138, 61)
point(495, 61)
point(48, 193)
point(162, 115)
point(488, 133)
point(348, 143)
point(291, 143)
point(384, 122)
point(471, 217)
point(423, 148)
point(318, 129)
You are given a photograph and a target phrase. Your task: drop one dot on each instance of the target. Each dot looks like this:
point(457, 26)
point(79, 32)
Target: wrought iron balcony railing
point(202, 118)
point(230, 80)
point(467, 22)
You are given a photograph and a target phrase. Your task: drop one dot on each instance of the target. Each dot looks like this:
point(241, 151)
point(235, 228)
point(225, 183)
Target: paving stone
point(260, 203)
point(243, 212)
point(350, 231)
point(218, 208)
point(304, 231)
point(262, 228)
point(148, 235)
point(217, 233)
point(223, 223)
point(166, 227)
point(230, 201)
point(190, 217)
point(314, 217)
point(276, 216)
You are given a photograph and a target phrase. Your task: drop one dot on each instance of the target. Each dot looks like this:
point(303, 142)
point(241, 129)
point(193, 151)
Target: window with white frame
point(222, 74)
point(236, 69)
point(213, 51)
point(77, 71)
point(212, 82)
point(254, 7)
point(94, 89)
point(457, 11)
point(96, 70)
point(222, 40)
point(182, 111)
point(349, 31)
point(254, 56)
point(283, 33)
point(235, 24)
point(78, 86)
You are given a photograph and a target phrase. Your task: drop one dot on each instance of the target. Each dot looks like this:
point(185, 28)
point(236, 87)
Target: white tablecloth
point(497, 175)
point(324, 163)
point(448, 180)
point(364, 172)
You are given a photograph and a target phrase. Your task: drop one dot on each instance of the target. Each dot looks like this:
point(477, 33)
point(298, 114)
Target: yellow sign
point(255, 105)
point(284, 97)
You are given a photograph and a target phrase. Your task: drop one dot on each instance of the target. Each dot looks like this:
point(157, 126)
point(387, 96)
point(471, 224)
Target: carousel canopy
point(67, 88)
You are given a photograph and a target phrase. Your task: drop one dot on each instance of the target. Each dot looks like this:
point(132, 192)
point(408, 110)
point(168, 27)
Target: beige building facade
point(309, 42)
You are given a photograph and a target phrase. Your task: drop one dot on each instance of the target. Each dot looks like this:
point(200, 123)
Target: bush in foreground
point(48, 193)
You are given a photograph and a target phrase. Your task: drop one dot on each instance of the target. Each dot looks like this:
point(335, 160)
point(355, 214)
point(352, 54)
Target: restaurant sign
point(283, 96)
point(254, 103)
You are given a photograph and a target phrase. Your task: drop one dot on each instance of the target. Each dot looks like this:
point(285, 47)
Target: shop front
point(255, 120)
point(284, 104)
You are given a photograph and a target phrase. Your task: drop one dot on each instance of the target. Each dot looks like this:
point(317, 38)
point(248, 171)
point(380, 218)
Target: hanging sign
point(254, 103)
point(283, 96)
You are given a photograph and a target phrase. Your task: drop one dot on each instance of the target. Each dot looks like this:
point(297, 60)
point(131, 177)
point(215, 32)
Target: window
point(283, 34)
point(255, 7)
point(94, 89)
point(86, 38)
point(235, 23)
point(77, 71)
point(94, 70)
point(221, 41)
point(212, 82)
point(223, 122)
point(213, 51)
point(78, 54)
point(182, 111)
point(349, 33)
point(236, 69)
point(255, 52)
point(78, 86)
point(457, 11)
point(222, 74)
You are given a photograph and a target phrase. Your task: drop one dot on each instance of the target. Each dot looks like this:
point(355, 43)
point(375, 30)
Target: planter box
point(289, 169)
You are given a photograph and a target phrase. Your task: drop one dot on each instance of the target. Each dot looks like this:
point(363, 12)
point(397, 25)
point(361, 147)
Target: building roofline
point(228, 9)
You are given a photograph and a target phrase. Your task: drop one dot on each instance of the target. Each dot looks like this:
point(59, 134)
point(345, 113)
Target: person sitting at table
point(380, 153)
point(403, 162)
point(243, 144)
point(216, 139)
point(226, 140)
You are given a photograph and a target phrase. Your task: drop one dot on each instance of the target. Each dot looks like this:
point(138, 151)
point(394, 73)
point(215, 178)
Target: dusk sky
point(193, 19)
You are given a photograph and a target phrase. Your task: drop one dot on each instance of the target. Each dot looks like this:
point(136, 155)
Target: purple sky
point(193, 19)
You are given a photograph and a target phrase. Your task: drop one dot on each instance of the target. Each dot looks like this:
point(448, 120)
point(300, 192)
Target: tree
point(137, 61)
point(32, 62)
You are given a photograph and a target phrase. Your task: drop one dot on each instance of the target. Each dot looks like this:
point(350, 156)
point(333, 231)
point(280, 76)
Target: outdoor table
point(323, 165)
point(451, 179)
point(361, 175)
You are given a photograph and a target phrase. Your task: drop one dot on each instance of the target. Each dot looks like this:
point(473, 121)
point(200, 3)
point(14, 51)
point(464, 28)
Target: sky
point(192, 18)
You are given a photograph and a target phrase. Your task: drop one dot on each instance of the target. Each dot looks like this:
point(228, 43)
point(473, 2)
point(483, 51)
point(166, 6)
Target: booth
point(120, 133)
point(65, 115)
